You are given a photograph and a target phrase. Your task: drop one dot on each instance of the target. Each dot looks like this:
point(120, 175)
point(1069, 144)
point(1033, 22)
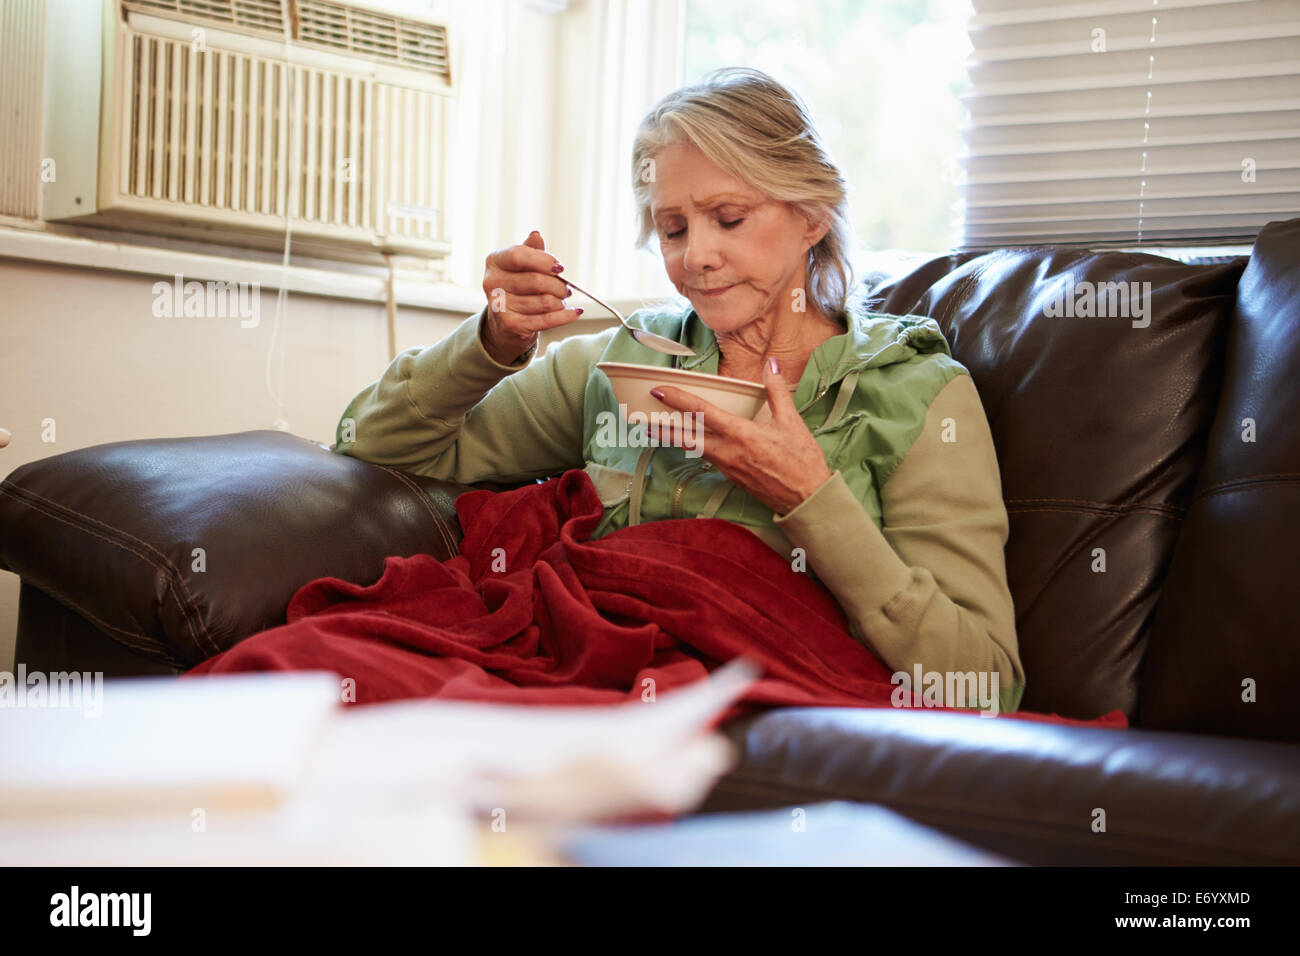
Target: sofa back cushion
point(1224, 654)
point(1100, 374)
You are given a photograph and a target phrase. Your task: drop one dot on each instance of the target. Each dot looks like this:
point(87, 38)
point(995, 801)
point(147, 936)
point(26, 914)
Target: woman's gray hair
point(759, 131)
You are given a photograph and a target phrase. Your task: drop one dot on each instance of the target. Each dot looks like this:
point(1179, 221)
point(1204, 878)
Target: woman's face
point(736, 254)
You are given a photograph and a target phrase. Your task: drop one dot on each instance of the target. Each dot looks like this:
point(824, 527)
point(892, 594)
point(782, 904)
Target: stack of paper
point(270, 768)
point(238, 741)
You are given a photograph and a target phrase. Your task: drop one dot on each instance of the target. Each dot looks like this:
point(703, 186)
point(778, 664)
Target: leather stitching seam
point(149, 647)
point(438, 521)
point(1238, 484)
point(163, 566)
point(1096, 507)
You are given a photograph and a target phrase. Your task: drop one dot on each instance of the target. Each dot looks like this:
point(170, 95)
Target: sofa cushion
point(1100, 425)
point(112, 532)
point(1227, 622)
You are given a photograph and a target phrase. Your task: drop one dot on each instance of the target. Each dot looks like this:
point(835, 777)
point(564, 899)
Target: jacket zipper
point(816, 398)
point(681, 488)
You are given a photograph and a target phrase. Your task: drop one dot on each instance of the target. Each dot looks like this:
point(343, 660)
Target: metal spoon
point(648, 339)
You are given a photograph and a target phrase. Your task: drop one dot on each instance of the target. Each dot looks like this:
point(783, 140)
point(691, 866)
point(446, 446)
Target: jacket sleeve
point(930, 586)
point(451, 411)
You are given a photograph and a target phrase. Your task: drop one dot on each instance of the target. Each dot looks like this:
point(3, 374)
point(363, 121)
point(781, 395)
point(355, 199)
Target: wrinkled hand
point(525, 296)
point(777, 461)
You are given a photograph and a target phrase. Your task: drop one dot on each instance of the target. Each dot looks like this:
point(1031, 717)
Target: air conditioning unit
point(230, 118)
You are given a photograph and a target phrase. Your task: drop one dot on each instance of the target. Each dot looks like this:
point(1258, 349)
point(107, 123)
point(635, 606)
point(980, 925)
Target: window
point(883, 80)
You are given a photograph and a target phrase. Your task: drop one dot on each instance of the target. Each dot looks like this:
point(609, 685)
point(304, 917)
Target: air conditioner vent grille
point(254, 16)
point(410, 43)
point(227, 138)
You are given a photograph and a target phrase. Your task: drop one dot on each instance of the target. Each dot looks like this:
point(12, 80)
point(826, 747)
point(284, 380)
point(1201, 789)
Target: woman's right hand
point(524, 296)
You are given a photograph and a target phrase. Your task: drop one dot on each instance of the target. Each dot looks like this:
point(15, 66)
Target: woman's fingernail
point(557, 268)
point(776, 366)
point(657, 393)
point(579, 311)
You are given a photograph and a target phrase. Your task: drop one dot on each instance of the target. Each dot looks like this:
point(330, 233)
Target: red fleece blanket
point(532, 612)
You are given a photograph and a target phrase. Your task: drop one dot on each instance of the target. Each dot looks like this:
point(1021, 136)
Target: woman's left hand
point(777, 461)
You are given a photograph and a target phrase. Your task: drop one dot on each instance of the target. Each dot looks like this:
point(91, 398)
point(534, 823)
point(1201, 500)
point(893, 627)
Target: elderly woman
point(873, 462)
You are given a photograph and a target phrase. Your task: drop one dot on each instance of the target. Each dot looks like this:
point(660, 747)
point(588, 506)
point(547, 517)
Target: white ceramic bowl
point(632, 384)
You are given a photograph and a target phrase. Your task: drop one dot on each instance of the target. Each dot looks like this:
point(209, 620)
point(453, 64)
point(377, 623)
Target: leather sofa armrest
point(1027, 790)
point(179, 548)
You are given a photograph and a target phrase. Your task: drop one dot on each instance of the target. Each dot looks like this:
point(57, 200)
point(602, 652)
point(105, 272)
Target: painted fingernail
point(657, 393)
point(557, 268)
point(776, 366)
point(579, 311)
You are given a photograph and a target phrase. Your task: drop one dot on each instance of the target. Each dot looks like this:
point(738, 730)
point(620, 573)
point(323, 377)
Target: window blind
point(1120, 122)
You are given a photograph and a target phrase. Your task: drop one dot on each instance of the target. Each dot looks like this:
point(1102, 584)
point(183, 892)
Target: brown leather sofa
point(1163, 441)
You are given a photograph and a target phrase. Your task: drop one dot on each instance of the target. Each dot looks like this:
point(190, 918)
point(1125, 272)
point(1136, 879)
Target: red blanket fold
point(532, 612)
